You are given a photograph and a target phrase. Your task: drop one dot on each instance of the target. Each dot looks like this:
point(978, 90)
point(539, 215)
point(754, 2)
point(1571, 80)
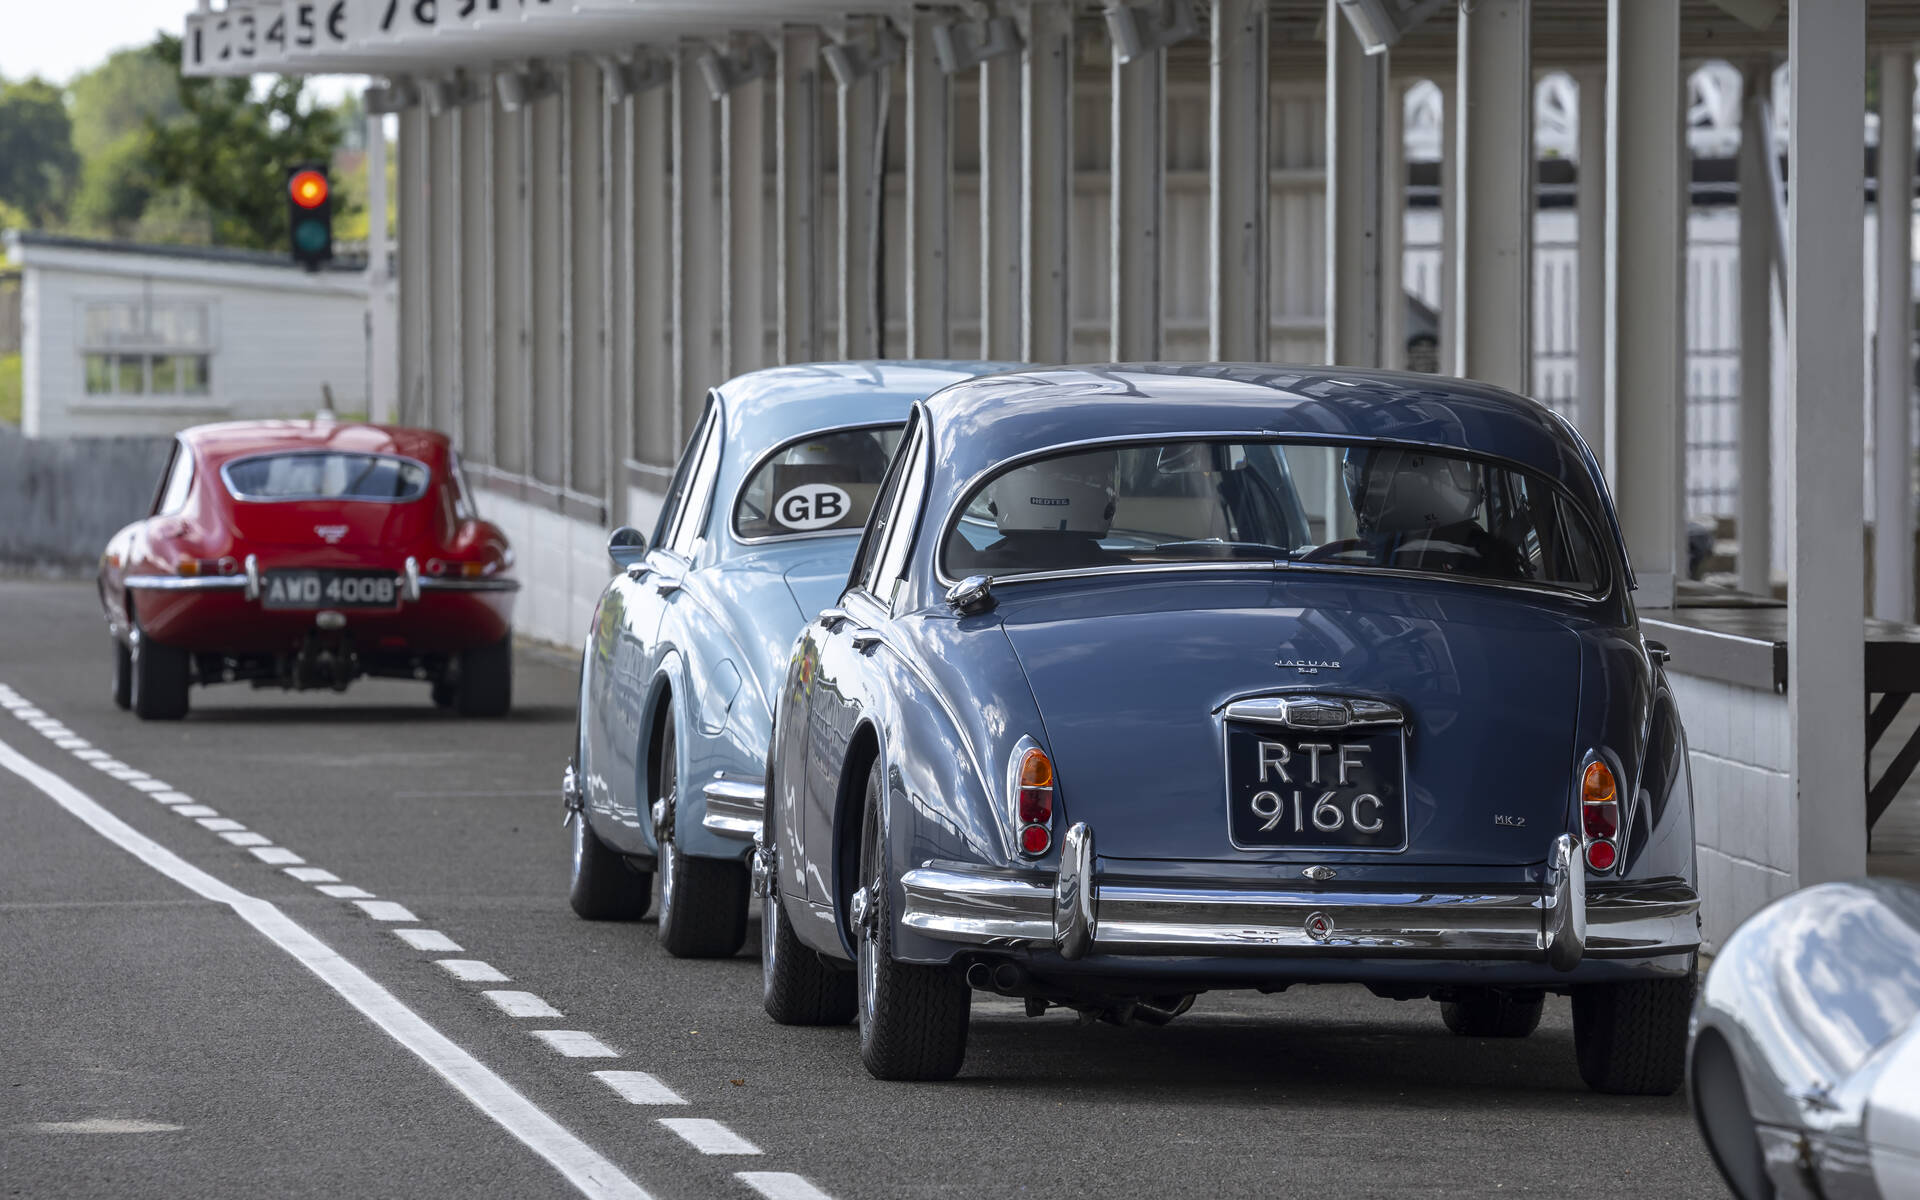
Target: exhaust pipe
point(1005, 978)
point(980, 977)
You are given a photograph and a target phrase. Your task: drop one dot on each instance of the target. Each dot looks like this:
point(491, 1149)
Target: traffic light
point(310, 215)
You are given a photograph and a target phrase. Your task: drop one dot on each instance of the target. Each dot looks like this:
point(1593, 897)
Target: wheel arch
point(865, 750)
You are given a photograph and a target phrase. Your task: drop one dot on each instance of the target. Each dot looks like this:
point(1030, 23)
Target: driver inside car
point(1416, 510)
point(1052, 514)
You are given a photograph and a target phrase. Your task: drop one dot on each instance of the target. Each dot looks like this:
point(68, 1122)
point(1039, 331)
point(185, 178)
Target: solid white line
point(780, 1185)
point(428, 939)
point(593, 1175)
point(472, 970)
point(709, 1136)
point(522, 1004)
point(385, 910)
point(345, 891)
point(638, 1087)
point(313, 875)
point(220, 824)
point(104, 1125)
point(574, 1044)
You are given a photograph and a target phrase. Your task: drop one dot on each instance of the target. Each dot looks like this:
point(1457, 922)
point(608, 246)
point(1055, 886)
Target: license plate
point(330, 589)
point(1315, 791)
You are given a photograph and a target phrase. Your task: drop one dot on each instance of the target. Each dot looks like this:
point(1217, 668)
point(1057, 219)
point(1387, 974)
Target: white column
point(617, 148)
point(1826, 685)
point(1590, 409)
point(383, 369)
point(445, 387)
point(1000, 268)
point(1646, 263)
point(929, 196)
point(1138, 140)
point(512, 293)
point(797, 164)
point(1449, 232)
point(588, 259)
point(1893, 347)
point(473, 331)
point(656, 410)
point(859, 216)
point(1493, 328)
point(1757, 236)
point(696, 240)
point(743, 193)
point(1356, 137)
point(1239, 184)
point(1046, 181)
point(1393, 221)
point(415, 234)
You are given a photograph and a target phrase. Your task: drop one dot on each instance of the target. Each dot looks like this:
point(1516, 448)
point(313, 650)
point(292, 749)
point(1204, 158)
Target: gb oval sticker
point(812, 506)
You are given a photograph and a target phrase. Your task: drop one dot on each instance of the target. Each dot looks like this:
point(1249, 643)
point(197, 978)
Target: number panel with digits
point(1338, 789)
point(330, 589)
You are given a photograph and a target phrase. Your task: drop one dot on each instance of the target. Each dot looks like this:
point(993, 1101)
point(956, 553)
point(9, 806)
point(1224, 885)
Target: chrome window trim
point(226, 479)
point(943, 579)
point(753, 469)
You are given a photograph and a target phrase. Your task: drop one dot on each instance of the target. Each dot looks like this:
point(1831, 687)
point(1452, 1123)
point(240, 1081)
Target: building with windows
point(122, 339)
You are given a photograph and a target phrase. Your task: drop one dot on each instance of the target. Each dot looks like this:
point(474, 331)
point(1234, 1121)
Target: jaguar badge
point(1319, 926)
point(330, 534)
point(1318, 874)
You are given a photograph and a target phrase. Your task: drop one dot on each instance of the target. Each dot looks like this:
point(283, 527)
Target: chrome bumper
point(734, 807)
point(412, 582)
point(1077, 915)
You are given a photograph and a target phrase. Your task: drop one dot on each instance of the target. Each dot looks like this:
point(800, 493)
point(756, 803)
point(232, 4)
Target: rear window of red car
point(326, 475)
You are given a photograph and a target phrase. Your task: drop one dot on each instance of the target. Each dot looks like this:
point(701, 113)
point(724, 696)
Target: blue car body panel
point(1121, 679)
point(701, 638)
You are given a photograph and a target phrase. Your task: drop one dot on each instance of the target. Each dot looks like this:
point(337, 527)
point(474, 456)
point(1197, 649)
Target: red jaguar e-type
point(304, 554)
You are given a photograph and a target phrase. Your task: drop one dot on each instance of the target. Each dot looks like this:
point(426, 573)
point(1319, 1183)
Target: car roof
point(766, 408)
point(228, 440)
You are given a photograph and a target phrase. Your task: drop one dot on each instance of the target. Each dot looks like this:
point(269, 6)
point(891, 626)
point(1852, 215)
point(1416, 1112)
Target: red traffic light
point(308, 189)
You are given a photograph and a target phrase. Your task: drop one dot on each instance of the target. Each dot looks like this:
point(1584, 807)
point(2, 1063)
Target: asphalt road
point(157, 1042)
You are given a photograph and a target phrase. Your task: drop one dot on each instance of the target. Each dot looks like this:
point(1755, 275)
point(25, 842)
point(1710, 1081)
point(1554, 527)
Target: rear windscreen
point(326, 475)
point(822, 483)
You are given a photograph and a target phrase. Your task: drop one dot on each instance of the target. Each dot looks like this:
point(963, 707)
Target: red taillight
point(1601, 855)
point(1600, 815)
point(1033, 801)
point(1035, 839)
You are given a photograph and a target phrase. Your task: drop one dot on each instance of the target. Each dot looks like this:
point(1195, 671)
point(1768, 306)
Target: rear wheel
point(606, 887)
point(703, 901)
point(913, 1019)
point(796, 986)
point(122, 675)
point(1631, 1038)
point(1492, 1012)
point(158, 680)
point(486, 680)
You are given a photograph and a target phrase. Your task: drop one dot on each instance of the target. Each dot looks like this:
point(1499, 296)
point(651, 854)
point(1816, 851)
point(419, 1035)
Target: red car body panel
point(149, 569)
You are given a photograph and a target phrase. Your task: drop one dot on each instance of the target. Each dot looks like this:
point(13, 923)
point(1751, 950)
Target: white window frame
point(145, 303)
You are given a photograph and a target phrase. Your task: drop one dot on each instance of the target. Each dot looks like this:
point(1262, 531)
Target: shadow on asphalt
point(345, 713)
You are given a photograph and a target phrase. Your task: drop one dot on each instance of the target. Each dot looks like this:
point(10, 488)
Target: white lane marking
point(780, 1185)
point(472, 970)
point(313, 875)
point(589, 1172)
point(28, 712)
point(220, 824)
point(522, 1004)
point(638, 1087)
point(173, 798)
point(103, 1125)
point(277, 856)
point(428, 939)
point(110, 765)
point(247, 837)
point(150, 785)
point(385, 910)
point(126, 774)
point(575, 1044)
point(74, 743)
point(196, 810)
point(709, 1136)
point(90, 755)
point(345, 891)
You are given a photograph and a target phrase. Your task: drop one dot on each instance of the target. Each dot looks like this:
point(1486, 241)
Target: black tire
point(444, 693)
point(796, 986)
point(122, 675)
point(1631, 1038)
point(1493, 1012)
point(703, 901)
point(486, 680)
point(159, 678)
point(913, 1019)
point(606, 887)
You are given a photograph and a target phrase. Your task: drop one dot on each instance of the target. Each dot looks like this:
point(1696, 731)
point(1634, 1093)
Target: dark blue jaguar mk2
point(1158, 679)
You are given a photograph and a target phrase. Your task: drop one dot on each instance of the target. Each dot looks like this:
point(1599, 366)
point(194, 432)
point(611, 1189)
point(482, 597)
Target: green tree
point(116, 99)
point(231, 150)
point(37, 159)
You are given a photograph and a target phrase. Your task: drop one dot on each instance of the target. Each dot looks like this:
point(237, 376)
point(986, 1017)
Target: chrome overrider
point(735, 806)
point(1076, 915)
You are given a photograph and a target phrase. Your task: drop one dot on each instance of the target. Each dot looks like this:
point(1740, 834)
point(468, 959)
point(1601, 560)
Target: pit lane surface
point(155, 1043)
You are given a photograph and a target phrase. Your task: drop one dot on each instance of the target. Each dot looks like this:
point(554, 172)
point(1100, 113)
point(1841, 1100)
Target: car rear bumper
point(217, 615)
point(1073, 913)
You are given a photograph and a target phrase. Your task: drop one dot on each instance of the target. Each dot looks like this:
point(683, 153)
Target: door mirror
point(626, 546)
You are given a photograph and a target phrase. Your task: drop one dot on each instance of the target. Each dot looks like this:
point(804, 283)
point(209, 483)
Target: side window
point(173, 493)
point(677, 490)
point(901, 524)
point(691, 522)
point(875, 538)
point(463, 509)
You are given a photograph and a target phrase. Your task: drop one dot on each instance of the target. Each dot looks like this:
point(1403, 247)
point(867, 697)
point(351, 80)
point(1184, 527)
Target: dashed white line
point(91, 755)
point(709, 1136)
point(471, 970)
point(246, 837)
point(313, 875)
point(780, 1185)
point(586, 1169)
point(522, 1004)
point(196, 810)
point(428, 939)
point(220, 824)
point(345, 891)
point(148, 785)
point(575, 1044)
point(72, 743)
point(279, 856)
point(638, 1087)
point(385, 910)
point(173, 798)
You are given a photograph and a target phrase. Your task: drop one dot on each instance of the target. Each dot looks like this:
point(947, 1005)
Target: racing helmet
point(1395, 489)
point(1070, 494)
point(856, 453)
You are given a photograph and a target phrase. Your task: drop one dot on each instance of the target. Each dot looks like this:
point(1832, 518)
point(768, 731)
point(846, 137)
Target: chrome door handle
point(831, 618)
point(637, 572)
point(665, 586)
point(865, 639)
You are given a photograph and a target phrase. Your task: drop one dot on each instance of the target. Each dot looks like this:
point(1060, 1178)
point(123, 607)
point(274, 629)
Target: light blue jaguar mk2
point(691, 637)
